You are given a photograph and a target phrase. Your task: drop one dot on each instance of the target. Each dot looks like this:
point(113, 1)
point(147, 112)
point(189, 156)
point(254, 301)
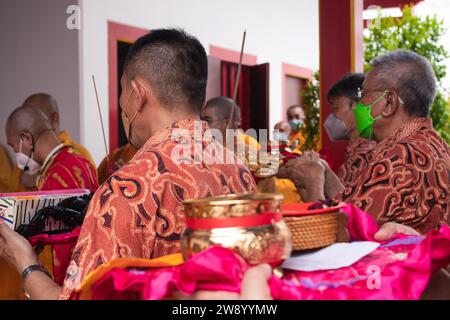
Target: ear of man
point(140, 93)
point(392, 104)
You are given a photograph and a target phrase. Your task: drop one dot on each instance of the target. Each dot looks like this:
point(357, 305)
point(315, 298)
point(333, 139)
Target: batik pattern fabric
point(407, 179)
point(117, 159)
point(357, 155)
point(138, 212)
point(67, 170)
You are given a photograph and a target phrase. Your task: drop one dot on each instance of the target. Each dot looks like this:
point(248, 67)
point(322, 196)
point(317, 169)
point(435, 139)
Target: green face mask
point(364, 120)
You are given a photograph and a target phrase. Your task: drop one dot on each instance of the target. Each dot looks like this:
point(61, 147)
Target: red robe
point(67, 170)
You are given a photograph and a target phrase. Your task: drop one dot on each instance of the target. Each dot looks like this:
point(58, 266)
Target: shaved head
point(27, 119)
point(45, 102)
point(283, 126)
point(48, 105)
point(221, 106)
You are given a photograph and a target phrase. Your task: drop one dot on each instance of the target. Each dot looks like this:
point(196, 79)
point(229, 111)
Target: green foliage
point(421, 35)
point(311, 102)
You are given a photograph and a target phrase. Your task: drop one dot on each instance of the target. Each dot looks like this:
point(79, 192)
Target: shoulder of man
point(65, 138)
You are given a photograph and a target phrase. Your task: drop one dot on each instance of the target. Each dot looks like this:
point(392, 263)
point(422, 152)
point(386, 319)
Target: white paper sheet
point(336, 256)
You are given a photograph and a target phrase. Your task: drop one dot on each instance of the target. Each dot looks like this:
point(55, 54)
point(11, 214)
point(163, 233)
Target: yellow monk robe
point(15, 183)
point(118, 158)
point(5, 170)
point(67, 140)
point(283, 186)
point(298, 139)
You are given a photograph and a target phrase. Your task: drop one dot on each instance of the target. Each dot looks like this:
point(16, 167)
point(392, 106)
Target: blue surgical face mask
point(296, 124)
point(280, 136)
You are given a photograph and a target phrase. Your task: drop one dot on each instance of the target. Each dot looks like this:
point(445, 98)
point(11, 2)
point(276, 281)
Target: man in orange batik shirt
point(138, 212)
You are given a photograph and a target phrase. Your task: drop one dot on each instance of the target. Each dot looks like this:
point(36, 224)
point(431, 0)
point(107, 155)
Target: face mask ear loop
point(378, 100)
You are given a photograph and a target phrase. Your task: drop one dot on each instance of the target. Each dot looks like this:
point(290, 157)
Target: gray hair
point(411, 76)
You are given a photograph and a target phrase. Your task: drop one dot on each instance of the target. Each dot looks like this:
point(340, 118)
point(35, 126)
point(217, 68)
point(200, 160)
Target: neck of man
point(391, 127)
point(353, 134)
point(160, 120)
point(45, 145)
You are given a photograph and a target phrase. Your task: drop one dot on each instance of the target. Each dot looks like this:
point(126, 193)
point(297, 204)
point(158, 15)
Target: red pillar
point(341, 51)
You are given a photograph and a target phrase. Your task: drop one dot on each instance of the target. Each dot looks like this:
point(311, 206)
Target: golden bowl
point(249, 224)
point(233, 205)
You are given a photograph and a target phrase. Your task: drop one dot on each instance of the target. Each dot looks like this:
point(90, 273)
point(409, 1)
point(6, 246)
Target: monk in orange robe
point(138, 212)
point(117, 159)
point(21, 182)
point(296, 118)
point(217, 112)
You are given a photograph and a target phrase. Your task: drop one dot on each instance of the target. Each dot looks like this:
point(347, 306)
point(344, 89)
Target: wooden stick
point(236, 84)
point(103, 127)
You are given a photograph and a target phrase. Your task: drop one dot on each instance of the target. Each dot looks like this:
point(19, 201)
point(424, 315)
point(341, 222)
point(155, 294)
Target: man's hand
point(332, 185)
point(307, 173)
point(15, 249)
point(390, 229)
point(19, 253)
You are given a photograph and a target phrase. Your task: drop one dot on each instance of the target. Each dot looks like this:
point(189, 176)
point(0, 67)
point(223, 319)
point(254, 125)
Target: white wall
point(38, 54)
point(277, 31)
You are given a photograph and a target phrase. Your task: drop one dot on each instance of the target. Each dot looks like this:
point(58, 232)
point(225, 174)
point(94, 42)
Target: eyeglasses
point(362, 94)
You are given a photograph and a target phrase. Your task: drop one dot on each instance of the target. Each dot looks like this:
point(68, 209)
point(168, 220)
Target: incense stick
point(238, 78)
point(101, 122)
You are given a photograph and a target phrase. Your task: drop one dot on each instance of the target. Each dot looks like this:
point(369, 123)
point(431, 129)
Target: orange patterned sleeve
point(117, 224)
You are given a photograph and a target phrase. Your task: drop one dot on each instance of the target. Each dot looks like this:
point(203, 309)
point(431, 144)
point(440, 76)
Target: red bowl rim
point(290, 210)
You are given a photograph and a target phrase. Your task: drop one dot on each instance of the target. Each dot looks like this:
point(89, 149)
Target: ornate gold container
point(250, 224)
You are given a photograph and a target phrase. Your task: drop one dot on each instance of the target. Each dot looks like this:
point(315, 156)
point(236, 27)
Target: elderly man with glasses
point(407, 179)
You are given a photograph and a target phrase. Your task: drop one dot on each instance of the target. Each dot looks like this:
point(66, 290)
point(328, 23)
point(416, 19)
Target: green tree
point(423, 36)
point(311, 101)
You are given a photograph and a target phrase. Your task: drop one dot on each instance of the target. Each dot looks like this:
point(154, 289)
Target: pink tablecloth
point(398, 269)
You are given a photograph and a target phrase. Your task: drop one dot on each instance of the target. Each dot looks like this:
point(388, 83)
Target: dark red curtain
point(229, 73)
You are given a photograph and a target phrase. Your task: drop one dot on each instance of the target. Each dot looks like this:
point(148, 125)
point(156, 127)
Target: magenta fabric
point(399, 269)
point(62, 248)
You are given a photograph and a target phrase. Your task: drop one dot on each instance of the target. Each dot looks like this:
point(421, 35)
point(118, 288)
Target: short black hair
point(174, 63)
point(223, 106)
point(411, 76)
point(347, 86)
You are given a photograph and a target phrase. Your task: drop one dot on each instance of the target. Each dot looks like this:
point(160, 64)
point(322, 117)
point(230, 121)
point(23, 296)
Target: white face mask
point(336, 128)
point(25, 163)
point(280, 136)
